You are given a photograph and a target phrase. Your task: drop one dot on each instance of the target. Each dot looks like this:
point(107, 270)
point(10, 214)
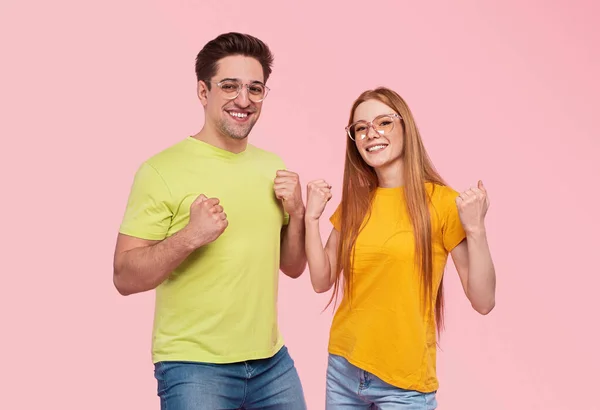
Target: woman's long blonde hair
point(360, 182)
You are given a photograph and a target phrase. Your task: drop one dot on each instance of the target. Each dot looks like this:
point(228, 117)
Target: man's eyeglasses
point(382, 124)
point(257, 92)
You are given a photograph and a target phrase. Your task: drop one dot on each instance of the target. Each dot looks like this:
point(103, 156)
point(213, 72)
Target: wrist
point(475, 231)
point(188, 240)
point(311, 221)
point(297, 215)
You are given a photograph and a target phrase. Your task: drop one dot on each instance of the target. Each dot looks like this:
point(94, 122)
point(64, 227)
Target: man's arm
point(141, 265)
point(293, 257)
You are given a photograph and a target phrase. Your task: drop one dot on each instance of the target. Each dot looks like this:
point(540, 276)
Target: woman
point(392, 233)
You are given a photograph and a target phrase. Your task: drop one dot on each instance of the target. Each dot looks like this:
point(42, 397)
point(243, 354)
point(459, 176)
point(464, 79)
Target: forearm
point(293, 257)
point(481, 287)
point(319, 265)
point(144, 268)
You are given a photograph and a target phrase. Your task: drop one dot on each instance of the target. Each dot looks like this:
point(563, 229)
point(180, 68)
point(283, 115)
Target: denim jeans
point(270, 384)
point(349, 388)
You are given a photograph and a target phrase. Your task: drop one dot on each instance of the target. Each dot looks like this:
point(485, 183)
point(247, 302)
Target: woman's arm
point(321, 260)
point(472, 257)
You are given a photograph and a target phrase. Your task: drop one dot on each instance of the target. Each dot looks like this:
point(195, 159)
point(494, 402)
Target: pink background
point(502, 91)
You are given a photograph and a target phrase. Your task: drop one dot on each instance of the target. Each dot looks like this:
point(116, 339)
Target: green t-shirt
point(220, 304)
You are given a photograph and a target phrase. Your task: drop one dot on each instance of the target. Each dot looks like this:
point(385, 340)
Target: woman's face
point(378, 134)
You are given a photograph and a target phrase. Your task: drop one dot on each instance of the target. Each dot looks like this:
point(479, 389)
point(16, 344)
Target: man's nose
point(242, 99)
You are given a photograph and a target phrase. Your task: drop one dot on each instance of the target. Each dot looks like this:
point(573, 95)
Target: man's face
point(234, 116)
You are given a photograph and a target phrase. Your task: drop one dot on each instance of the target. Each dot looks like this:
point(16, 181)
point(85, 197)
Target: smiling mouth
point(376, 148)
point(237, 114)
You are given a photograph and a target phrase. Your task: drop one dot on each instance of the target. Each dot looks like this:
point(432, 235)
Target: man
point(209, 223)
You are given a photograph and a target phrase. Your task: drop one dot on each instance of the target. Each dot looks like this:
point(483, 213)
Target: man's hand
point(207, 221)
point(287, 189)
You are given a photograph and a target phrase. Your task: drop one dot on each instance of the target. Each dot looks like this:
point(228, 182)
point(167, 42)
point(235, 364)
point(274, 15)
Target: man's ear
point(203, 92)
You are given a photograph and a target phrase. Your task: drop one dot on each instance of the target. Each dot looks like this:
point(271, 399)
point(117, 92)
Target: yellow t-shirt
point(219, 305)
point(383, 329)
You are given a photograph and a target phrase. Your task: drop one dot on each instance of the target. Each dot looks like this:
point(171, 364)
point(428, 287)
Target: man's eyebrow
point(238, 80)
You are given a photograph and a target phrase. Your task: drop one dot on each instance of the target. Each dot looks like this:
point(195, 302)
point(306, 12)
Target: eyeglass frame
point(240, 86)
point(370, 124)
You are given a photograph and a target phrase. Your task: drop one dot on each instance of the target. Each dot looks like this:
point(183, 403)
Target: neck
point(391, 175)
point(213, 137)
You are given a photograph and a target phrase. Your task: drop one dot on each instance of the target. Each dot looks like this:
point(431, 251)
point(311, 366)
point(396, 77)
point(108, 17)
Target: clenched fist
point(472, 207)
point(287, 189)
point(318, 193)
point(207, 221)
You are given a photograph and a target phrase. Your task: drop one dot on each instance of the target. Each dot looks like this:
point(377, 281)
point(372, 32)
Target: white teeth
point(376, 148)
point(238, 114)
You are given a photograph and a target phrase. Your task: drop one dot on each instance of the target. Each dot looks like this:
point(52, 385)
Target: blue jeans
point(271, 384)
point(349, 387)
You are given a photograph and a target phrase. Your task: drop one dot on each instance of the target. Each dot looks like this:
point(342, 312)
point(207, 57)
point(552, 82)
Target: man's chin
point(237, 134)
point(237, 137)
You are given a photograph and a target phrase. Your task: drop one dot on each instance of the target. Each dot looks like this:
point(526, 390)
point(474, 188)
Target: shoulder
point(441, 193)
point(168, 157)
point(155, 171)
point(443, 198)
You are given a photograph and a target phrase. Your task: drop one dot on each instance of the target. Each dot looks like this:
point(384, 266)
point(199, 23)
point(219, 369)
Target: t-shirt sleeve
point(452, 228)
point(336, 218)
point(147, 214)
